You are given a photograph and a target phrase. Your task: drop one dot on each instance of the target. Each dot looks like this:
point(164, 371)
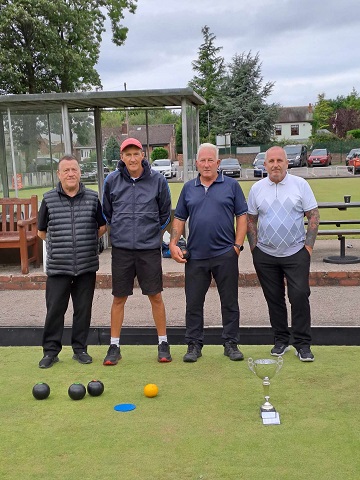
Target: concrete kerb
point(322, 274)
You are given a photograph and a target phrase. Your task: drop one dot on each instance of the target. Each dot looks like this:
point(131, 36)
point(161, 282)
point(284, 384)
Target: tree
point(82, 125)
point(112, 119)
point(112, 150)
point(159, 153)
point(54, 46)
point(241, 108)
point(210, 69)
point(138, 117)
point(345, 119)
point(323, 111)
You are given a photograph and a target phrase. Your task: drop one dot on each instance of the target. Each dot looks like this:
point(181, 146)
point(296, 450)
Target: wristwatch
point(240, 247)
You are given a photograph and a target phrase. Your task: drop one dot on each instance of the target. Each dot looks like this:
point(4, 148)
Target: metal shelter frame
point(185, 98)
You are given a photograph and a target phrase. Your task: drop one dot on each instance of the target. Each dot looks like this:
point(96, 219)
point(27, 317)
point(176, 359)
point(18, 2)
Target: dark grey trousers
point(59, 288)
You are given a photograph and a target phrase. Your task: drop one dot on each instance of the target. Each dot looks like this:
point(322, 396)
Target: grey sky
point(306, 46)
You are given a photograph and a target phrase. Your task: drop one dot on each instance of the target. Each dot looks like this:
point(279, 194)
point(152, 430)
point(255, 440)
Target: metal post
point(147, 136)
point(12, 153)
point(208, 122)
point(50, 151)
point(3, 165)
point(66, 128)
point(100, 161)
point(184, 139)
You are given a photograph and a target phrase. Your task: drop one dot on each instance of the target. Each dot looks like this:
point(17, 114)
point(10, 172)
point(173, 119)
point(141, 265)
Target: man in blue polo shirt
point(211, 202)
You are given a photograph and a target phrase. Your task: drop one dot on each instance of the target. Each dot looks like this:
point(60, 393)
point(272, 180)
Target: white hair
point(208, 145)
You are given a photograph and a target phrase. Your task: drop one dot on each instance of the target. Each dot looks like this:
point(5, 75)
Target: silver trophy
point(265, 369)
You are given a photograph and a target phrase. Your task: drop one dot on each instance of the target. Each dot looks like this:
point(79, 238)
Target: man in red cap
point(137, 206)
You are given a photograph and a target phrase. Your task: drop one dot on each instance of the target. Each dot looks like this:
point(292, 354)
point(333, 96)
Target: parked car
point(319, 157)
point(230, 167)
point(354, 162)
point(164, 166)
point(43, 164)
point(297, 155)
point(89, 172)
point(259, 168)
point(350, 155)
point(259, 156)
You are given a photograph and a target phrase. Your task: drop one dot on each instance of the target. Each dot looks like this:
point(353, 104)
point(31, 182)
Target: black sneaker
point(279, 349)
point(82, 357)
point(113, 355)
point(305, 354)
point(48, 361)
point(232, 351)
point(193, 352)
point(164, 352)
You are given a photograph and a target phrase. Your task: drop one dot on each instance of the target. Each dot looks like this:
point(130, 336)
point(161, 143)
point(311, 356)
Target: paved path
point(330, 305)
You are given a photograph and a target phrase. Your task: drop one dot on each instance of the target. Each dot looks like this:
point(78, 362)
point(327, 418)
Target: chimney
point(310, 108)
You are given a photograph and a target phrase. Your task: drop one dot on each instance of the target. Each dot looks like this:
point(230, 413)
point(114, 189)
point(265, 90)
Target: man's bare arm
point(177, 229)
point(41, 234)
point(313, 217)
point(101, 230)
point(252, 221)
point(240, 230)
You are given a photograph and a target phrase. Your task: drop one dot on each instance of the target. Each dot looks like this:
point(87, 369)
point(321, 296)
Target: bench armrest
point(28, 221)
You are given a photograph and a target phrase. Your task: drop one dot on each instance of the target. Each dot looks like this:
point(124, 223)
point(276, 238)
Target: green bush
point(353, 133)
point(159, 153)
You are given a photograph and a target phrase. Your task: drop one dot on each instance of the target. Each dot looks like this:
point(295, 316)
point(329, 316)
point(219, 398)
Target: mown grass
point(325, 189)
point(204, 424)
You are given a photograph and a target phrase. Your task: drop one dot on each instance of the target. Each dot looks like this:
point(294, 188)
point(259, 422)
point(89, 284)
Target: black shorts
point(143, 264)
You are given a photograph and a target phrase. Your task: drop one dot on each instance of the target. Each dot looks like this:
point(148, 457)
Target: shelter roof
point(88, 100)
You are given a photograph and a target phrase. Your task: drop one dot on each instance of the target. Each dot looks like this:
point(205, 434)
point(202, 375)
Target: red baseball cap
point(130, 141)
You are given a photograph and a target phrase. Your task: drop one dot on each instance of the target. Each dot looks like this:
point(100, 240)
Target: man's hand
point(176, 254)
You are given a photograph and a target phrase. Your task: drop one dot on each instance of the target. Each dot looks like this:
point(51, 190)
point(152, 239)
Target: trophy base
point(270, 418)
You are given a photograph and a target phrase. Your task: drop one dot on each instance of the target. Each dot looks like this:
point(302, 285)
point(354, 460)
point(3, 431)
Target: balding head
point(276, 164)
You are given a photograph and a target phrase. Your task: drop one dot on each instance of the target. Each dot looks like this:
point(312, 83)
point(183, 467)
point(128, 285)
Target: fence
point(316, 172)
point(28, 180)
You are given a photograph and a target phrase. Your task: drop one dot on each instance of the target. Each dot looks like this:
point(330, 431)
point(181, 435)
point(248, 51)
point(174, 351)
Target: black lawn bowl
point(95, 388)
point(41, 391)
point(77, 391)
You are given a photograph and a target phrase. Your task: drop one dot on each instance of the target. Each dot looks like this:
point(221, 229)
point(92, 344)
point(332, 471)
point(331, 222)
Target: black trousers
point(198, 274)
point(59, 288)
point(271, 272)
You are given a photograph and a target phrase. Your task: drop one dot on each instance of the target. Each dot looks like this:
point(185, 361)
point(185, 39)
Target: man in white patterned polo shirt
point(282, 250)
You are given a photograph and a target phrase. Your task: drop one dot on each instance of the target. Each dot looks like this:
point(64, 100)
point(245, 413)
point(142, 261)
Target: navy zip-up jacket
point(136, 210)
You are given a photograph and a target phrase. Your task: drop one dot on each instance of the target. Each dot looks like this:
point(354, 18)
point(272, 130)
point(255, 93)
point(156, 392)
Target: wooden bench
point(19, 228)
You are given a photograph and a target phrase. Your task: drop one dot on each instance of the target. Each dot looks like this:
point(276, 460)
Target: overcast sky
point(305, 46)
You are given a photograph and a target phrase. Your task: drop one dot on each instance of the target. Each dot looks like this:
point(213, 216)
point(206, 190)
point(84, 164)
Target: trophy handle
point(251, 364)
point(280, 362)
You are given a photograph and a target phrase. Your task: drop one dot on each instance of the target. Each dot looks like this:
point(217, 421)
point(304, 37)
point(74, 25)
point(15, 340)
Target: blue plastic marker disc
point(124, 407)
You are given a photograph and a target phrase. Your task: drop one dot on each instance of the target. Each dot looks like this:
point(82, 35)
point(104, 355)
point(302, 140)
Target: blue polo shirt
point(211, 215)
